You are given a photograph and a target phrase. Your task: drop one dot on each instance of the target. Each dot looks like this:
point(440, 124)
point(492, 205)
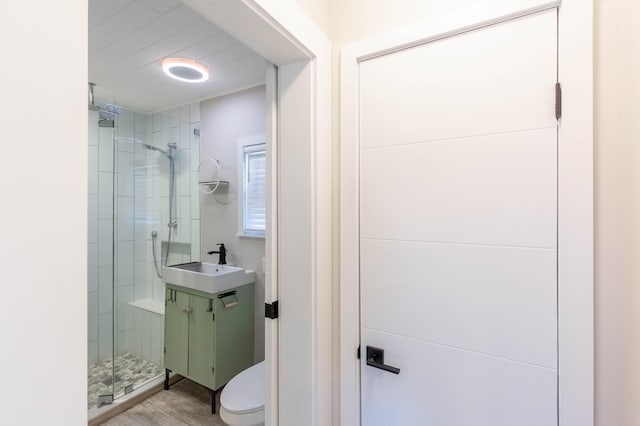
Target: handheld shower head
point(169, 154)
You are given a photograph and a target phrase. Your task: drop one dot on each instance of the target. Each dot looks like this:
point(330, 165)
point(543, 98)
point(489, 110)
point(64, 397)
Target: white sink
point(207, 277)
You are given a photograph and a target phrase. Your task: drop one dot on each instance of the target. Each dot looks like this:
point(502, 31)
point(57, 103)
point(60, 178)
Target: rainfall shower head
point(168, 154)
point(107, 111)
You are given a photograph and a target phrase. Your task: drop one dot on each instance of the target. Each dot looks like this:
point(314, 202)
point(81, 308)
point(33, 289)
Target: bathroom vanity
point(208, 335)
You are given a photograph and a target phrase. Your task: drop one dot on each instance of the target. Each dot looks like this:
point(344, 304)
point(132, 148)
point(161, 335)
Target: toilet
point(242, 399)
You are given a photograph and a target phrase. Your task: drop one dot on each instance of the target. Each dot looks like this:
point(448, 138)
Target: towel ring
point(217, 182)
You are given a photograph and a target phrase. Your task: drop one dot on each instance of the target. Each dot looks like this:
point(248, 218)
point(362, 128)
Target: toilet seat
point(251, 419)
point(242, 399)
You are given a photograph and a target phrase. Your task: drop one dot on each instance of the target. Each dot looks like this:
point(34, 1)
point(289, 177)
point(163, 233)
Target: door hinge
point(558, 101)
point(213, 317)
point(105, 400)
point(213, 369)
point(165, 350)
point(358, 353)
point(271, 310)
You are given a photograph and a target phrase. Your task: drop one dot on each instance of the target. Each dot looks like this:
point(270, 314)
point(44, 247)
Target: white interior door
point(458, 229)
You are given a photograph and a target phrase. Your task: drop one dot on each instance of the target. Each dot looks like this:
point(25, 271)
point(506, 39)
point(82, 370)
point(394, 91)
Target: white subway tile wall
point(105, 336)
point(93, 129)
point(124, 265)
point(125, 218)
point(93, 218)
point(105, 144)
point(105, 289)
point(141, 286)
point(194, 113)
point(92, 268)
point(92, 329)
point(93, 169)
point(105, 195)
point(105, 241)
point(126, 167)
point(93, 351)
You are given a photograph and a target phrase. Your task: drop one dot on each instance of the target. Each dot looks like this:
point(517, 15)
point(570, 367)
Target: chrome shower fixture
point(168, 154)
point(106, 111)
point(173, 223)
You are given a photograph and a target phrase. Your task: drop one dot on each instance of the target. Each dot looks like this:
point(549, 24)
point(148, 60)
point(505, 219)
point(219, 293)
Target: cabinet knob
point(187, 310)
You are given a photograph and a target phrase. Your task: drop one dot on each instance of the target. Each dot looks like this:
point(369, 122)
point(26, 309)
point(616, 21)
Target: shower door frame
point(299, 244)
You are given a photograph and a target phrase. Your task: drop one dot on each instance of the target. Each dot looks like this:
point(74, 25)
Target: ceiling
point(129, 38)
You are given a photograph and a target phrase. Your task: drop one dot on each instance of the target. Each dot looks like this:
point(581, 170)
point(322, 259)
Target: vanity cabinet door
point(202, 334)
point(176, 331)
point(235, 333)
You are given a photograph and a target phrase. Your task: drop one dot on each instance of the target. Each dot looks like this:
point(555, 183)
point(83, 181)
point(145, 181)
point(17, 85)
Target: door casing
point(298, 244)
point(575, 193)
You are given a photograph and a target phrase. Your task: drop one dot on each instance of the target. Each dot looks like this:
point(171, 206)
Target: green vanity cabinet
point(209, 337)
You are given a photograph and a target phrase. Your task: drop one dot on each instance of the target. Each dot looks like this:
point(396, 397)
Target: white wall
point(617, 190)
point(43, 167)
point(318, 10)
point(630, 16)
point(611, 189)
point(617, 212)
point(224, 120)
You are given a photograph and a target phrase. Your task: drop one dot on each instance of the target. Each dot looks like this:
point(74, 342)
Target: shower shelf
point(223, 184)
point(148, 305)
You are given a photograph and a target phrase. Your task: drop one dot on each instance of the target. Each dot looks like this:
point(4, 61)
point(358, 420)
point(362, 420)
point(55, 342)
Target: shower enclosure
point(143, 201)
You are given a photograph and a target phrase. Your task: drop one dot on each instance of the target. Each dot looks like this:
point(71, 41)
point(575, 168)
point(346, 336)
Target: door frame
point(575, 193)
point(298, 245)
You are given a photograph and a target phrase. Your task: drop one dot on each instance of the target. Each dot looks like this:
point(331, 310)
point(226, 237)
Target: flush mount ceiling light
point(185, 70)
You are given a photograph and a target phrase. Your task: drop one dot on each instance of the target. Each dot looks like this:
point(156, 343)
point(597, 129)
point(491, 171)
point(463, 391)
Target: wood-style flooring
point(185, 403)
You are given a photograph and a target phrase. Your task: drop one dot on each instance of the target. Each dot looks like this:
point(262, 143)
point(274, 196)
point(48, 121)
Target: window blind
point(255, 179)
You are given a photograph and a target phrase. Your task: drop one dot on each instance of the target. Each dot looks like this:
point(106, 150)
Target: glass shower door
point(100, 260)
point(132, 161)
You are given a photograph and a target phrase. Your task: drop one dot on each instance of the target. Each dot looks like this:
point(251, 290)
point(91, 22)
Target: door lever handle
point(375, 358)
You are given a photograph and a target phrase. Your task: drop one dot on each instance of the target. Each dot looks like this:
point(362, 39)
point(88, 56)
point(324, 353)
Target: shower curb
point(120, 407)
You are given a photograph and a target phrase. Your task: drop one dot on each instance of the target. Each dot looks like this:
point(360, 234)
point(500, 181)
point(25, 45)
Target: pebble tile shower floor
point(129, 369)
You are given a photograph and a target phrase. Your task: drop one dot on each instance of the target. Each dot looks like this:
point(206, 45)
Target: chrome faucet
point(223, 254)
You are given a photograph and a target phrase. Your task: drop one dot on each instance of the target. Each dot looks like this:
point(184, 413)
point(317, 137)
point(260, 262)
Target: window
point(253, 215)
